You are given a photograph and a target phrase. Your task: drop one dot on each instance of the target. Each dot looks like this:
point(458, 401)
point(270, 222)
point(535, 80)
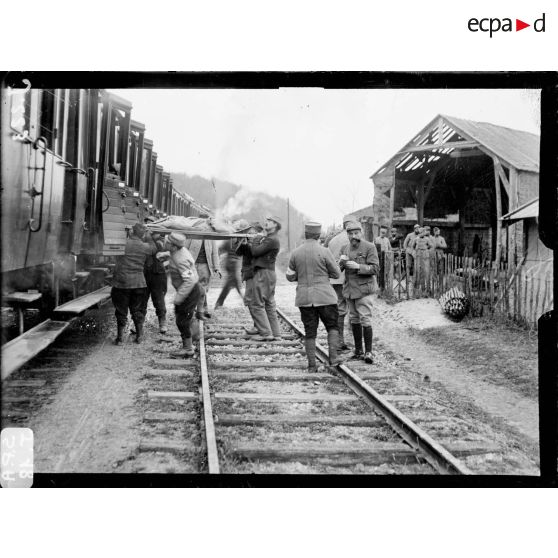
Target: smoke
point(240, 204)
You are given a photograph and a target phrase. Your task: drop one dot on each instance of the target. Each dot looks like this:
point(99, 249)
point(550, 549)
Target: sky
point(317, 147)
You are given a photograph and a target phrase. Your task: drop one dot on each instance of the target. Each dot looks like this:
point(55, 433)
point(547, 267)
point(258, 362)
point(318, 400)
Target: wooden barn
point(461, 176)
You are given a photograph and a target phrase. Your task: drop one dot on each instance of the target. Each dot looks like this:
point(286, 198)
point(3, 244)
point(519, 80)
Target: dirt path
point(474, 365)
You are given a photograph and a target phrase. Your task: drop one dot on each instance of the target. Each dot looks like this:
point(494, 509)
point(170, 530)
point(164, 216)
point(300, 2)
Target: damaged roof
point(519, 149)
point(515, 148)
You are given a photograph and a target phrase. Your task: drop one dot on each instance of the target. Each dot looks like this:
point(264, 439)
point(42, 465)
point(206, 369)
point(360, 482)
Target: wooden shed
point(462, 176)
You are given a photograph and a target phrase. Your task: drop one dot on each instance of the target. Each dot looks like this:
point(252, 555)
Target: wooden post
point(399, 274)
point(388, 273)
point(491, 286)
point(420, 203)
point(537, 313)
point(392, 200)
point(524, 300)
point(498, 210)
point(520, 287)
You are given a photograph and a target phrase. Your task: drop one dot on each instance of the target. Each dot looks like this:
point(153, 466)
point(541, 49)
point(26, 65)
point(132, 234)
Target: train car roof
point(138, 125)
point(120, 101)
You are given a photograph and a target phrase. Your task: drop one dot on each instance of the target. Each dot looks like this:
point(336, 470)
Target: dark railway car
point(77, 172)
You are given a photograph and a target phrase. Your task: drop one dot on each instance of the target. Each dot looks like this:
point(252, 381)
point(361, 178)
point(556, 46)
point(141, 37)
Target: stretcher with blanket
point(195, 227)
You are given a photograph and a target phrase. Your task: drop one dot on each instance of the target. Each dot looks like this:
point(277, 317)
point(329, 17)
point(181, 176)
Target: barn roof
point(519, 149)
point(444, 134)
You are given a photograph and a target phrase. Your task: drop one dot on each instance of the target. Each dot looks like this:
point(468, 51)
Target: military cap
point(178, 239)
point(241, 225)
point(313, 227)
point(354, 226)
point(274, 218)
point(349, 218)
point(139, 229)
point(417, 226)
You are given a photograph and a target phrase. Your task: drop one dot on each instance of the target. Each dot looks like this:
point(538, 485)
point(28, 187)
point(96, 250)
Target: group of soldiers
point(423, 251)
point(331, 282)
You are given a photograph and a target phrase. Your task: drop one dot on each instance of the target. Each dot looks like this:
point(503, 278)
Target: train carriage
point(77, 172)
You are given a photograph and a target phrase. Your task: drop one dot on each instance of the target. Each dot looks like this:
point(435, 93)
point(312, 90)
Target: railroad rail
point(241, 406)
point(441, 459)
point(231, 343)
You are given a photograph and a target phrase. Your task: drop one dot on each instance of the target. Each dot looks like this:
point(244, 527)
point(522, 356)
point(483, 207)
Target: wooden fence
point(507, 291)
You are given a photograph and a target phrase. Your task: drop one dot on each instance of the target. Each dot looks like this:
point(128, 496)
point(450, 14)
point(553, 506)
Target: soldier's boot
point(357, 336)
point(310, 346)
point(163, 324)
point(187, 350)
point(341, 326)
point(139, 332)
point(333, 347)
point(120, 335)
point(187, 346)
point(367, 331)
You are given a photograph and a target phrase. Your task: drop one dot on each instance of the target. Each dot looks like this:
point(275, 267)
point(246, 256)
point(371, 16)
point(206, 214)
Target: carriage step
point(23, 348)
point(79, 305)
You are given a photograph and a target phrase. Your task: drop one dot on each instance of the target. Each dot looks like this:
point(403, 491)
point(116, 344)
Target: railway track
point(240, 406)
point(252, 407)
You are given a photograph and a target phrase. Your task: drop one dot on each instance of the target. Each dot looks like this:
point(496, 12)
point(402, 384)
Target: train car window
point(46, 117)
point(20, 110)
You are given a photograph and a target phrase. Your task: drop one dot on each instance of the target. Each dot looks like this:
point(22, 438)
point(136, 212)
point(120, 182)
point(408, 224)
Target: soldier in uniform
point(189, 291)
point(422, 246)
point(409, 251)
point(247, 272)
point(264, 254)
point(206, 256)
point(233, 264)
point(440, 247)
point(335, 245)
point(156, 280)
point(311, 266)
point(359, 260)
point(128, 286)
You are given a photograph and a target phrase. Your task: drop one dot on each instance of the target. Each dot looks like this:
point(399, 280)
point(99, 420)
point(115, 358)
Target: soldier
point(311, 266)
point(440, 247)
point(409, 252)
point(264, 254)
point(156, 280)
point(383, 240)
point(335, 245)
point(206, 256)
point(247, 273)
point(422, 246)
point(189, 291)
point(394, 239)
point(128, 286)
point(233, 264)
point(360, 261)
